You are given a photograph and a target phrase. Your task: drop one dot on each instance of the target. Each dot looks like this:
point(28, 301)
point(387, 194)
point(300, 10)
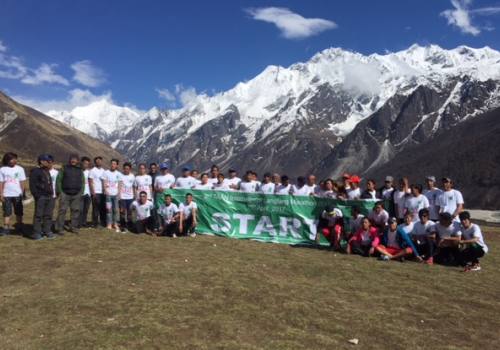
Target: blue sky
point(53, 50)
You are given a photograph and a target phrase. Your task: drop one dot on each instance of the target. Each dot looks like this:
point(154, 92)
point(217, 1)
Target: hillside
point(470, 153)
point(28, 133)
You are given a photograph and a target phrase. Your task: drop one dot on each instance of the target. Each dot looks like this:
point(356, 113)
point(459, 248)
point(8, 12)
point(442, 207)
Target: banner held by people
point(269, 218)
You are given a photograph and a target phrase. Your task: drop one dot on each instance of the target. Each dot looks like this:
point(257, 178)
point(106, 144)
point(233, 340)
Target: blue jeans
point(112, 211)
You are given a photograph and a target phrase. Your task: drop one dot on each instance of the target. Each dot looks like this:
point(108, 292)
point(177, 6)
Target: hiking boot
point(50, 235)
point(36, 237)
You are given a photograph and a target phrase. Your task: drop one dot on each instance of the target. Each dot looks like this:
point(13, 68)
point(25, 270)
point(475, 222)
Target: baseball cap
point(389, 178)
point(431, 178)
point(163, 166)
point(333, 211)
point(186, 168)
point(446, 179)
point(393, 220)
point(45, 157)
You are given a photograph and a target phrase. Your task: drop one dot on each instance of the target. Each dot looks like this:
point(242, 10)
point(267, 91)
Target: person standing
point(301, 188)
point(205, 183)
point(214, 172)
point(353, 191)
point(98, 197)
point(267, 186)
point(70, 187)
point(127, 195)
point(400, 196)
point(233, 180)
point(285, 187)
point(186, 181)
point(53, 174)
point(41, 188)
point(111, 180)
point(415, 202)
point(450, 201)
point(164, 181)
point(12, 187)
point(432, 193)
point(86, 200)
point(188, 216)
point(143, 183)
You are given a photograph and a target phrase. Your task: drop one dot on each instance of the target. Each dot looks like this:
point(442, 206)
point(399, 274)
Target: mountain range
point(341, 111)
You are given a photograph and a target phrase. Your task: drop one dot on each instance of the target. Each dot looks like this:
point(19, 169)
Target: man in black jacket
point(70, 186)
point(42, 190)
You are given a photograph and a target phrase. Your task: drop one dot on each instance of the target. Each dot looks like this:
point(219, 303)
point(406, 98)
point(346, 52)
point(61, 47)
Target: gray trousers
point(42, 218)
point(73, 203)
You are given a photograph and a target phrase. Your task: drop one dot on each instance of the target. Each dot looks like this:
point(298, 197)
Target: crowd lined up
point(407, 220)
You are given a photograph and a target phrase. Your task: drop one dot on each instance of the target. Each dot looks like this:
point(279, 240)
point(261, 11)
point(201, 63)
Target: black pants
point(42, 218)
point(84, 209)
point(71, 202)
point(360, 249)
point(425, 247)
point(448, 256)
point(99, 209)
point(170, 229)
point(471, 254)
point(141, 226)
point(188, 226)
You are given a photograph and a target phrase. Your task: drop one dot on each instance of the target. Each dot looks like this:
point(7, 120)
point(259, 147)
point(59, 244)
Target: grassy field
point(120, 291)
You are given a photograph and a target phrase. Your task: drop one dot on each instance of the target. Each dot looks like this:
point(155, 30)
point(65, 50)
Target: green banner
point(269, 218)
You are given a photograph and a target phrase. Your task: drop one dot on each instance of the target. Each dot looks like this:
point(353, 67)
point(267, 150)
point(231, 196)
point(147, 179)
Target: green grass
point(112, 291)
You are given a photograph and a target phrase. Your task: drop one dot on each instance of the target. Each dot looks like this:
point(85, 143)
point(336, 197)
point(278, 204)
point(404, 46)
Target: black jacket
point(70, 180)
point(41, 183)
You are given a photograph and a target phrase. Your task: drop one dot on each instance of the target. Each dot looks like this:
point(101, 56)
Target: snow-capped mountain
point(340, 110)
point(100, 119)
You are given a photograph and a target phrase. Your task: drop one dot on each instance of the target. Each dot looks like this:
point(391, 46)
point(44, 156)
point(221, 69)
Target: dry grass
point(112, 291)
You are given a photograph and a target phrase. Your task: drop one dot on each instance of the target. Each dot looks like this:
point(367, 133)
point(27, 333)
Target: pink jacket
point(358, 238)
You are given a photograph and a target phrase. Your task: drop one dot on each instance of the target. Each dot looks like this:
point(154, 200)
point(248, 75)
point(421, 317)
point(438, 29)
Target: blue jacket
point(402, 238)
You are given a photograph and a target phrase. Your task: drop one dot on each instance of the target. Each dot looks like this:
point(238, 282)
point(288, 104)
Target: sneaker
point(192, 235)
point(36, 237)
point(430, 261)
point(50, 235)
point(174, 235)
point(475, 267)
point(5, 231)
point(117, 229)
point(384, 257)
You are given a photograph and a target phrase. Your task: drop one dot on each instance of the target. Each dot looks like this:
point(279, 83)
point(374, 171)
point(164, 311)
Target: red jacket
point(358, 238)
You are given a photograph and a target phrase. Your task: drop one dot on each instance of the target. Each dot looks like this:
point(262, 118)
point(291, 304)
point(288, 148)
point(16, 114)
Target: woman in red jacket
point(365, 240)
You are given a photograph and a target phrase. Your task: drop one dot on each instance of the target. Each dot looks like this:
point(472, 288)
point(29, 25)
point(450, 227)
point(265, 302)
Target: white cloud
point(44, 74)
point(3, 48)
point(12, 67)
point(291, 25)
point(87, 74)
point(461, 16)
point(74, 98)
point(166, 95)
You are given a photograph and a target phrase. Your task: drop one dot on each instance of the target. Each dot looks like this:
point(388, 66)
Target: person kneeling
point(188, 216)
point(331, 226)
point(473, 243)
point(169, 212)
point(448, 234)
point(365, 241)
point(143, 219)
point(396, 243)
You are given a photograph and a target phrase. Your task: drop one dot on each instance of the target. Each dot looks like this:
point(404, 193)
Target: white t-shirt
point(282, 189)
point(454, 229)
point(248, 187)
point(86, 190)
point(399, 201)
point(332, 219)
point(168, 212)
point(373, 195)
point(95, 175)
point(379, 219)
point(433, 198)
point(234, 181)
point(11, 178)
point(53, 176)
point(143, 183)
point(422, 230)
point(328, 194)
point(449, 200)
point(164, 182)
point(302, 191)
point(187, 209)
point(143, 211)
point(474, 231)
point(224, 186)
point(185, 182)
point(111, 181)
point(353, 193)
point(414, 204)
point(212, 180)
point(127, 186)
point(200, 186)
point(267, 188)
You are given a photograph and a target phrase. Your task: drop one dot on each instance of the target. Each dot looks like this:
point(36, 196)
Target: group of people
point(406, 220)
